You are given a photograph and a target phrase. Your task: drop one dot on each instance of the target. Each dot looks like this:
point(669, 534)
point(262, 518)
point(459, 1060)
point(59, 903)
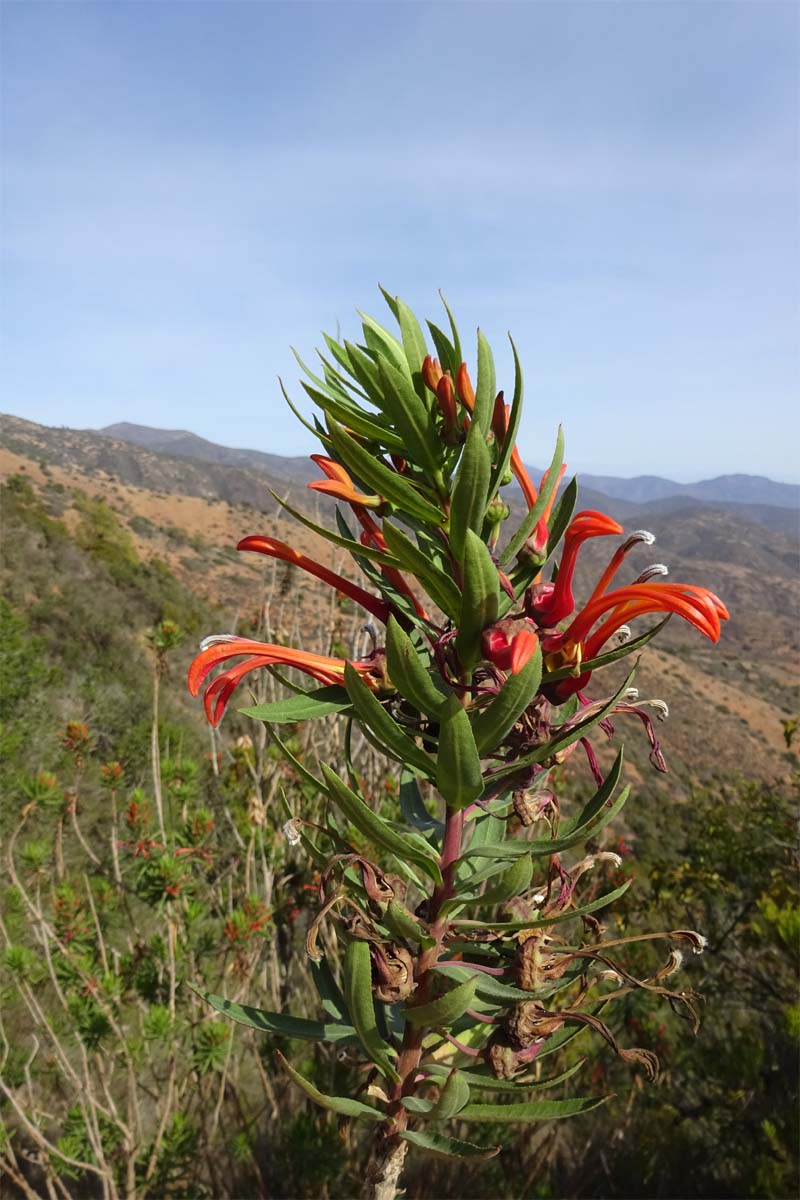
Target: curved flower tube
point(275, 549)
point(339, 484)
point(216, 650)
point(577, 644)
point(554, 602)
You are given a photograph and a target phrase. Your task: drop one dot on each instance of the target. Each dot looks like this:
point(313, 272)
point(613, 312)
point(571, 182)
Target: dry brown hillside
point(728, 702)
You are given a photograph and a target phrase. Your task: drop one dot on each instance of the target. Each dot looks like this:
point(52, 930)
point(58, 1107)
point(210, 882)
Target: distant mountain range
point(642, 489)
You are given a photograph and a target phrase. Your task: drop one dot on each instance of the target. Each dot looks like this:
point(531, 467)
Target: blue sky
point(191, 188)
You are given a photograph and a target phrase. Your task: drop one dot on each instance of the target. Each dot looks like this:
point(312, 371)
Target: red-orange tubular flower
point(339, 484)
point(216, 650)
point(275, 549)
point(577, 644)
point(552, 603)
point(507, 648)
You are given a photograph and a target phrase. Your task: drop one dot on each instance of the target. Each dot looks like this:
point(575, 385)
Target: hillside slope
point(728, 702)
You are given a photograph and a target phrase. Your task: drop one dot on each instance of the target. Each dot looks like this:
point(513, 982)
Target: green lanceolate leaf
point(360, 1005)
point(383, 342)
point(338, 1104)
point(532, 519)
point(504, 455)
point(408, 673)
point(458, 764)
point(375, 475)
point(557, 918)
point(318, 703)
point(412, 806)
point(485, 388)
point(377, 830)
point(372, 713)
point(444, 349)
point(437, 1143)
point(491, 724)
point(491, 1083)
point(354, 418)
point(446, 1009)
point(413, 343)
point(452, 1098)
point(594, 816)
point(454, 334)
point(535, 1110)
point(278, 1023)
point(411, 419)
point(471, 489)
point(403, 925)
point(328, 989)
point(440, 587)
point(563, 738)
point(347, 543)
point(562, 515)
point(480, 599)
point(511, 883)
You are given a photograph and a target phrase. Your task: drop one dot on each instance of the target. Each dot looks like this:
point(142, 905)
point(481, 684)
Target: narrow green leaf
point(381, 340)
point(366, 372)
point(446, 1009)
point(278, 1023)
point(551, 918)
point(453, 1097)
point(562, 515)
point(530, 522)
point(408, 673)
point(346, 543)
point(360, 1005)
point(535, 1110)
point(386, 483)
point(457, 351)
point(490, 725)
point(486, 387)
point(413, 807)
point(354, 418)
point(504, 455)
point(396, 742)
point(411, 418)
point(562, 739)
point(378, 830)
point(413, 344)
point(317, 703)
point(458, 764)
point(437, 1143)
point(491, 1083)
point(440, 587)
point(338, 1104)
point(470, 490)
point(511, 883)
point(328, 989)
point(445, 350)
point(402, 924)
point(480, 599)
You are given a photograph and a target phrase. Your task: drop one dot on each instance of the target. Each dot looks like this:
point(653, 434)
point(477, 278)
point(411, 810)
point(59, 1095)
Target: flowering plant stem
point(477, 685)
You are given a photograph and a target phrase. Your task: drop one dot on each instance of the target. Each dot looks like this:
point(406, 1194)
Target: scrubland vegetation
point(145, 857)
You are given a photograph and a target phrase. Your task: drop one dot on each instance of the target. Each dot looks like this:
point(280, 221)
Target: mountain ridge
point(639, 489)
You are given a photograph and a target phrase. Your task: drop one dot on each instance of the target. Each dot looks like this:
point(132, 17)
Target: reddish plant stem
point(411, 1050)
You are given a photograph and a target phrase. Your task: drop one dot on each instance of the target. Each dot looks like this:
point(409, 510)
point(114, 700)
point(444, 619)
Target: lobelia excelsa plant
point(457, 980)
